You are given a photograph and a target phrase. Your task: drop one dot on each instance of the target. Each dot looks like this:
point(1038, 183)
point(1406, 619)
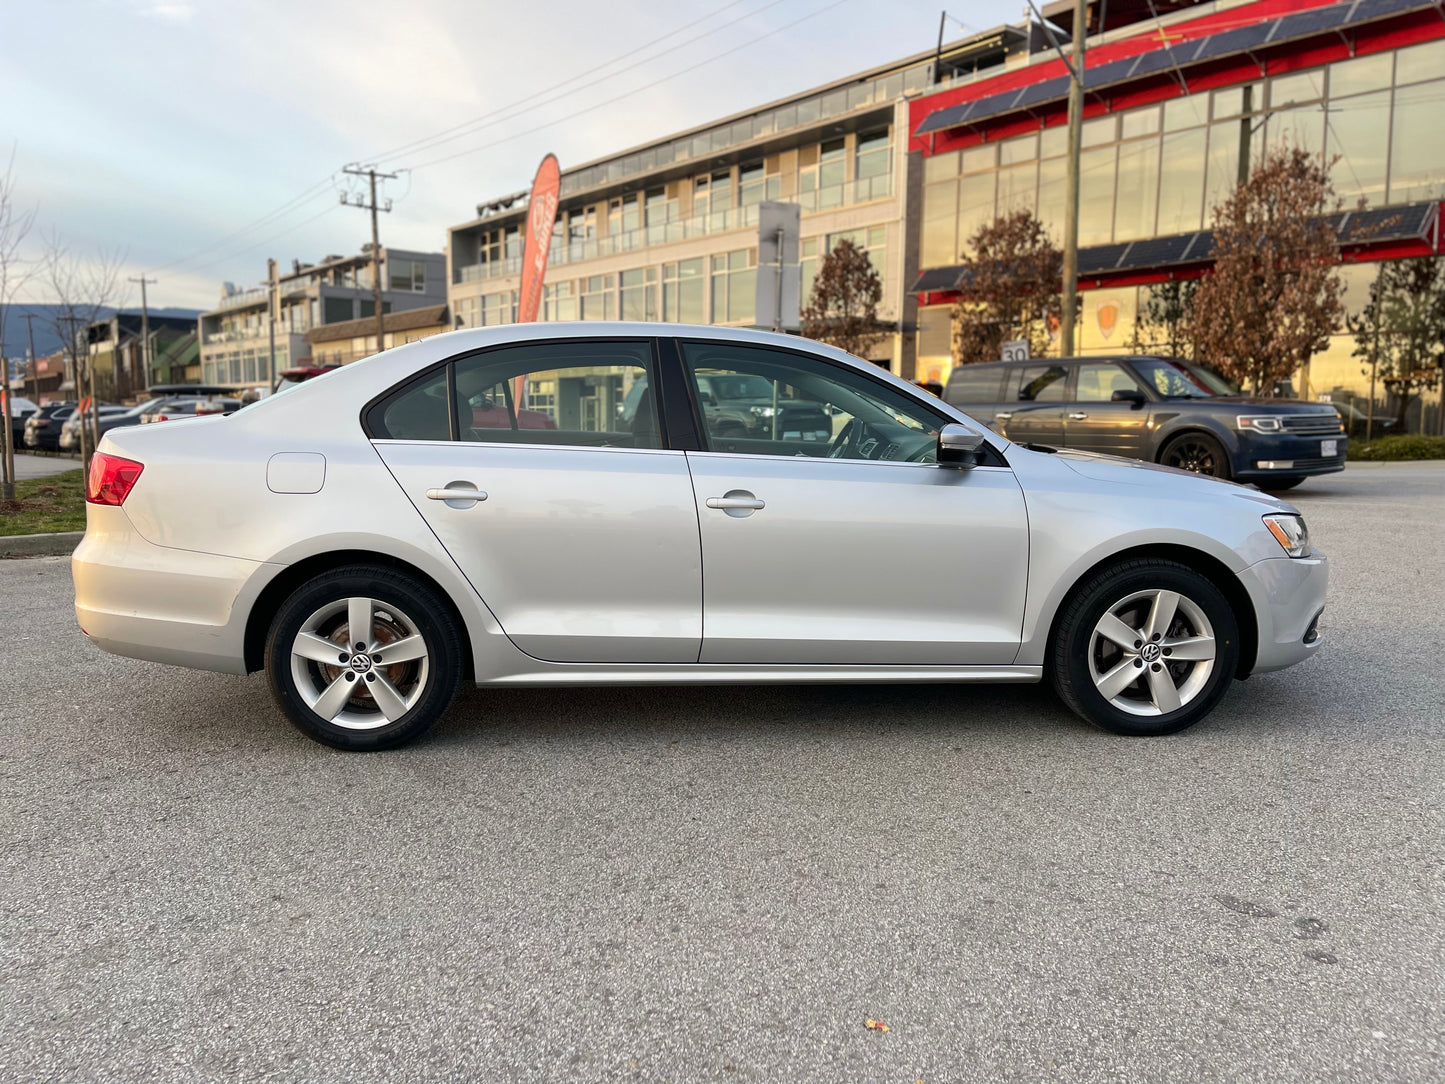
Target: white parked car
point(381, 533)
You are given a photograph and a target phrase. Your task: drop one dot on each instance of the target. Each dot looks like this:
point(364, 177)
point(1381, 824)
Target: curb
point(40, 545)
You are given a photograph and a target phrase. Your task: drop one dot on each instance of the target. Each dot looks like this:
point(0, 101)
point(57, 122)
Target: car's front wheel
point(1145, 647)
point(1197, 452)
point(364, 657)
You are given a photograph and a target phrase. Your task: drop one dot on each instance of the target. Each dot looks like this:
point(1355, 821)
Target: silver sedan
point(555, 504)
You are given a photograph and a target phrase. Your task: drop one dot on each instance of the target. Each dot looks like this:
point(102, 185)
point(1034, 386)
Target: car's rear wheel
point(1146, 647)
point(1197, 452)
point(364, 657)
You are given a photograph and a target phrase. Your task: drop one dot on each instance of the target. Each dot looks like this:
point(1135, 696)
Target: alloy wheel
point(360, 663)
point(1152, 652)
point(1194, 455)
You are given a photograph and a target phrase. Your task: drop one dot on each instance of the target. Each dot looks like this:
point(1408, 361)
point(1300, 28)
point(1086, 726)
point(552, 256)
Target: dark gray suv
point(1158, 409)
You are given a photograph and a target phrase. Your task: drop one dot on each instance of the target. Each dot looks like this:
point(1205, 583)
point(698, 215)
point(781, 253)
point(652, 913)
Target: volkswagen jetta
point(370, 539)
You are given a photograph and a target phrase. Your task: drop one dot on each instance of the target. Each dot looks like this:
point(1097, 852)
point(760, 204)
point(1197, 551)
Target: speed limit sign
point(1016, 350)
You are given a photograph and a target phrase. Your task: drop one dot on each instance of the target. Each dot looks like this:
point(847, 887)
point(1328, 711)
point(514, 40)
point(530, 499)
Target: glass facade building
point(1161, 153)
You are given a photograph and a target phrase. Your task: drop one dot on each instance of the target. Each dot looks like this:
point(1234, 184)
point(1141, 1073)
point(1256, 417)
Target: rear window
point(974, 384)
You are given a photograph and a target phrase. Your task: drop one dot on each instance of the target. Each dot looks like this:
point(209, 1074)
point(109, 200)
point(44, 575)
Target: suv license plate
point(1329, 447)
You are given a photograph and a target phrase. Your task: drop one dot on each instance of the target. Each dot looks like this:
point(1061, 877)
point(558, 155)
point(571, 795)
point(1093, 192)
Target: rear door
point(580, 533)
point(1093, 422)
point(1035, 395)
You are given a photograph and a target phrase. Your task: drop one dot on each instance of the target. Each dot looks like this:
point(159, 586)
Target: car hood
point(1134, 472)
point(1274, 406)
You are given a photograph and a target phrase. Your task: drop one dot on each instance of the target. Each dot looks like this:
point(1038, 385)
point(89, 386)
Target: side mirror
point(958, 446)
point(1128, 395)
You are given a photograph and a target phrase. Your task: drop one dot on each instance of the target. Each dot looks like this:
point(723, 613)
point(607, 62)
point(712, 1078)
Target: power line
point(636, 90)
point(267, 240)
point(493, 117)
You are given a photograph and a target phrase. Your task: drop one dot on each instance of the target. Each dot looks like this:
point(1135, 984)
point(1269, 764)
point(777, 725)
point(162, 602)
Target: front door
point(585, 543)
point(1094, 423)
point(858, 550)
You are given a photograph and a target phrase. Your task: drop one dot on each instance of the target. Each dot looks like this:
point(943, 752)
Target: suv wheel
point(1146, 647)
point(1197, 452)
point(364, 658)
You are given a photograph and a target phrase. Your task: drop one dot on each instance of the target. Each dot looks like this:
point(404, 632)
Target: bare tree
point(14, 226)
point(81, 290)
point(1010, 286)
point(1274, 296)
point(842, 309)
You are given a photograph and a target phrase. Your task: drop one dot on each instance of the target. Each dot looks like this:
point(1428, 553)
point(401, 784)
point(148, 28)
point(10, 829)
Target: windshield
point(1213, 380)
point(1174, 379)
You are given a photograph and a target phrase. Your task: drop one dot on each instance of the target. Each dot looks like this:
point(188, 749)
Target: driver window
point(759, 401)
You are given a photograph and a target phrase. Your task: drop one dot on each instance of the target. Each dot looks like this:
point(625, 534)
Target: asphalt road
point(724, 884)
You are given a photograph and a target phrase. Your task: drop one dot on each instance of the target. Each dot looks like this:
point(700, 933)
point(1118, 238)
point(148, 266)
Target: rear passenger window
point(593, 394)
point(974, 384)
point(1040, 384)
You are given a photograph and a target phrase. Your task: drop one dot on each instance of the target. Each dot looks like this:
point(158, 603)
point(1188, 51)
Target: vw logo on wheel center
point(361, 663)
point(1150, 652)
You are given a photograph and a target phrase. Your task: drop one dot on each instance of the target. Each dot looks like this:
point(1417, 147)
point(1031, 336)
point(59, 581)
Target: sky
point(195, 138)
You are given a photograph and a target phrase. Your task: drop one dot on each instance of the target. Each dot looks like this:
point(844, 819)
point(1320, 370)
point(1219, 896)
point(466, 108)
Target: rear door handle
point(1078, 416)
point(1002, 415)
point(457, 494)
point(751, 503)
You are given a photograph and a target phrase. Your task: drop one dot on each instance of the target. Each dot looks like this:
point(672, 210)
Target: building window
point(499, 308)
point(559, 302)
point(639, 294)
point(407, 275)
point(599, 297)
point(336, 309)
point(684, 292)
point(734, 286)
point(467, 312)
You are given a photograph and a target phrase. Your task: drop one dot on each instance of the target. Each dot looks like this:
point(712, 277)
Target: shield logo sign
point(1107, 315)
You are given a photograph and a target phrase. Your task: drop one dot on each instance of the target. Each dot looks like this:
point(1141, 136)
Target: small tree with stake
point(1166, 319)
point(842, 308)
point(1274, 296)
point(1010, 286)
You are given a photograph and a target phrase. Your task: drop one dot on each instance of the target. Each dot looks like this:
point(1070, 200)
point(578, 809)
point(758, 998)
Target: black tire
point(1073, 648)
point(402, 605)
point(1279, 485)
point(1197, 452)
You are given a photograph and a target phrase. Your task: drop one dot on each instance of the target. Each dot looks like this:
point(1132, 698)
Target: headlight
point(1290, 532)
point(1259, 423)
point(761, 411)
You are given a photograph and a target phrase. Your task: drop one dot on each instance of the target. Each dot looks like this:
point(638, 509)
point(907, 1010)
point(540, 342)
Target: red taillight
point(110, 479)
point(162, 418)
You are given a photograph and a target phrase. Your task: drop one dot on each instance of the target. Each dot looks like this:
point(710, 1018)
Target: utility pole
point(1071, 185)
point(272, 303)
point(7, 489)
point(371, 174)
point(145, 329)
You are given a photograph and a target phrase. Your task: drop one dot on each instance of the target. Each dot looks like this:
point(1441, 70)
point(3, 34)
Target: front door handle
point(1002, 415)
point(750, 503)
point(1078, 416)
point(457, 494)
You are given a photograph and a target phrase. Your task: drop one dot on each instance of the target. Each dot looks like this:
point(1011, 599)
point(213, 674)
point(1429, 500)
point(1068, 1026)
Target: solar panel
point(1049, 89)
point(945, 118)
point(936, 278)
point(1157, 61)
point(1402, 223)
point(1234, 41)
point(1368, 10)
point(1100, 258)
point(1157, 251)
point(1306, 23)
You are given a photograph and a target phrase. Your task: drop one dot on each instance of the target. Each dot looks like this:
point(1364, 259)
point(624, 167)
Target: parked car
point(358, 542)
point(290, 378)
point(188, 406)
point(1358, 422)
point(20, 409)
point(42, 428)
point(70, 428)
point(1160, 410)
point(740, 408)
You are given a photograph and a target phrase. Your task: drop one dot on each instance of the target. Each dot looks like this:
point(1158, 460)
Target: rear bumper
point(1288, 595)
point(160, 604)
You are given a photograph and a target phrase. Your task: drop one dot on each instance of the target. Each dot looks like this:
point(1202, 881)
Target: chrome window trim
point(832, 459)
point(528, 444)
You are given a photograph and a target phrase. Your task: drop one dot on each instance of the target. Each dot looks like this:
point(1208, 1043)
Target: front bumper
point(161, 604)
point(1262, 456)
point(1288, 595)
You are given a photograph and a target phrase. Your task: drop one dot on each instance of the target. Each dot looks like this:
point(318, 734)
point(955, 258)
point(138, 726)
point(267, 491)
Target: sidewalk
point(43, 466)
